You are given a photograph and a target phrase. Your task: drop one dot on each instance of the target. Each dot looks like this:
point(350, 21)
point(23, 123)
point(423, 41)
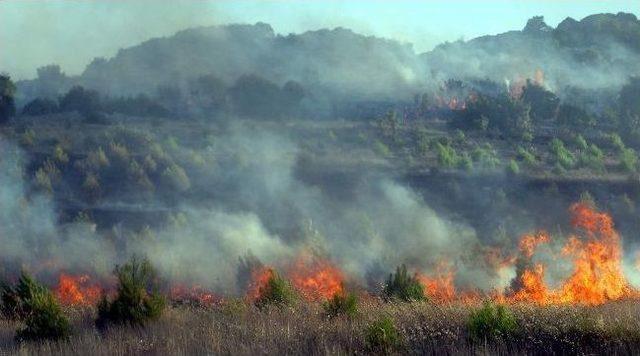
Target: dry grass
point(236, 328)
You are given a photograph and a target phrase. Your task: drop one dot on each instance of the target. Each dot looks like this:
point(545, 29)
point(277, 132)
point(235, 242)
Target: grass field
point(424, 328)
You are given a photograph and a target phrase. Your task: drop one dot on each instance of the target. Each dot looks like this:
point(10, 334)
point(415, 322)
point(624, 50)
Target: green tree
point(7, 98)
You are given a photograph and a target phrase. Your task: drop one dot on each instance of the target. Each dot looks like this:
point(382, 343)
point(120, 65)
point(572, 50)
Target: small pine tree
point(382, 336)
point(135, 302)
point(277, 291)
point(491, 321)
point(342, 304)
point(403, 286)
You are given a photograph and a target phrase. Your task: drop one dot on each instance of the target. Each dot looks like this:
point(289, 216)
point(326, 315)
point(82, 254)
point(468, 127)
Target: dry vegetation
point(424, 328)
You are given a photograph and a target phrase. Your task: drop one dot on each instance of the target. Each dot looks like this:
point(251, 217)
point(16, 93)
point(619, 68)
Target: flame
point(195, 294)
point(440, 287)
point(77, 290)
point(597, 260)
point(259, 279)
point(316, 278)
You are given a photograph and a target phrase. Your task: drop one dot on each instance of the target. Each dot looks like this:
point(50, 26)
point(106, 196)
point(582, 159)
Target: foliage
point(574, 118)
point(7, 101)
point(561, 155)
point(403, 286)
point(501, 113)
point(342, 304)
point(580, 142)
point(616, 142)
point(628, 160)
point(491, 321)
point(45, 319)
point(381, 149)
point(593, 158)
point(40, 106)
point(382, 336)
point(136, 301)
point(544, 104)
point(277, 291)
point(85, 101)
point(447, 156)
point(527, 157)
point(485, 156)
point(34, 304)
point(513, 168)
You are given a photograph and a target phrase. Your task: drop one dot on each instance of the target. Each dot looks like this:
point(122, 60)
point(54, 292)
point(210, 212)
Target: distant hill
point(599, 51)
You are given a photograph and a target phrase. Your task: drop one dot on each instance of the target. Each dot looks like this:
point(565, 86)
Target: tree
point(85, 101)
point(40, 106)
point(629, 104)
point(544, 104)
point(574, 119)
point(7, 98)
point(209, 94)
point(255, 96)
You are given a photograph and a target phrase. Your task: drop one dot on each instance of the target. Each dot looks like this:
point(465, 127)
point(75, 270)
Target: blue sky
point(73, 32)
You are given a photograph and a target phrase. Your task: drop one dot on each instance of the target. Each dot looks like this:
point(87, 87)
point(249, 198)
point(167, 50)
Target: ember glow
point(77, 290)
point(195, 295)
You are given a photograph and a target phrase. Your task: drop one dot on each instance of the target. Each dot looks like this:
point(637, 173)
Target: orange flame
point(195, 294)
point(597, 261)
point(440, 287)
point(259, 279)
point(77, 290)
point(316, 279)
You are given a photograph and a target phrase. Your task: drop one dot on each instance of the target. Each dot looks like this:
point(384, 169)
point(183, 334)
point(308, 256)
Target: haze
point(72, 33)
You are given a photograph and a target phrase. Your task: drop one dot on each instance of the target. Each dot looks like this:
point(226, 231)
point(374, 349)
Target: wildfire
point(440, 287)
point(77, 290)
point(597, 259)
point(196, 294)
point(259, 279)
point(315, 278)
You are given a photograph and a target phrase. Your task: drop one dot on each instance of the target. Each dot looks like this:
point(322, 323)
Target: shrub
point(342, 304)
point(561, 155)
point(447, 156)
point(134, 303)
point(513, 168)
point(37, 307)
point(593, 158)
point(616, 142)
point(628, 160)
point(45, 319)
point(580, 142)
point(13, 297)
point(491, 321)
point(382, 149)
point(403, 286)
point(382, 336)
point(176, 178)
point(486, 157)
point(277, 291)
point(528, 158)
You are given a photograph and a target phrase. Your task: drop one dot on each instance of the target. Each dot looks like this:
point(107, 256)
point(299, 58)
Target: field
point(425, 328)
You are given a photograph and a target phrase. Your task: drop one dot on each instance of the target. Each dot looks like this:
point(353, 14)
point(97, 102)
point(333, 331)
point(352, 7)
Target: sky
point(73, 32)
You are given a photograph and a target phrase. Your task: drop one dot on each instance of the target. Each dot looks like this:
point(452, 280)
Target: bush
point(342, 304)
point(45, 319)
point(561, 155)
point(382, 336)
point(37, 307)
point(580, 142)
point(403, 286)
point(447, 156)
point(616, 142)
point(382, 149)
point(14, 297)
point(134, 303)
point(593, 158)
point(513, 168)
point(491, 321)
point(528, 158)
point(277, 291)
point(486, 157)
point(628, 160)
